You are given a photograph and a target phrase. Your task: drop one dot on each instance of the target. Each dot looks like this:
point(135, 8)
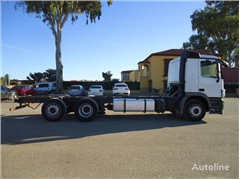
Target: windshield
point(121, 85)
point(95, 87)
point(75, 87)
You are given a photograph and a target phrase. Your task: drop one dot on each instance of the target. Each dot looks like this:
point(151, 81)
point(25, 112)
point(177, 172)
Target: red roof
point(126, 72)
point(178, 52)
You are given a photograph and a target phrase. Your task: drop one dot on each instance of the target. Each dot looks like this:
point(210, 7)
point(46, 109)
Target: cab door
point(210, 82)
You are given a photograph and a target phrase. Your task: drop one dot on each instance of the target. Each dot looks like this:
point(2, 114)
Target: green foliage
point(48, 75)
point(55, 11)
point(107, 76)
point(217, 29)
point(115, 80)
point(35, 77)
point(2, 80)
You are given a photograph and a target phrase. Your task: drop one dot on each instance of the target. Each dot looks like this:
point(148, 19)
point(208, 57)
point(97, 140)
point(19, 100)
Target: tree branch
point(51, 22)
point(64, 20)
point(52, 27)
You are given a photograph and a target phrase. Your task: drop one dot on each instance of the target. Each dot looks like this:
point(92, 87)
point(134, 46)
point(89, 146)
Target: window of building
point(166, 64)
point(125, 77)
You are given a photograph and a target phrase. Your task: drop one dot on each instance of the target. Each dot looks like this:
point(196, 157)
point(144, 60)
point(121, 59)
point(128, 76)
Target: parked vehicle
point(121, 89)
point(7, 94)
point(96, 90)
point(26, 90)
point(14, 88)
point(76, 90)
point(45, 87)
point(195, 86)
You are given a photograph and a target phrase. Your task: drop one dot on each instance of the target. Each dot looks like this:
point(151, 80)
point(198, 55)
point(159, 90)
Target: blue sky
point(127, 33)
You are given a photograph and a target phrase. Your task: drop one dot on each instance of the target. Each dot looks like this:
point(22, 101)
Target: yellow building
point(152, 71)
point(130, 76)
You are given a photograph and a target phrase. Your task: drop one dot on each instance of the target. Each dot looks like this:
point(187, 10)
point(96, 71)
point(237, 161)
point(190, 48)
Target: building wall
point(157, 71)
point(144, 84)
point(133, 76)
point(230, 75)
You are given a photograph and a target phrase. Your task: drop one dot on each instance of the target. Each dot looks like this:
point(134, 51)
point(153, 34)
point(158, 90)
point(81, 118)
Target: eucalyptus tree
point(35, 77)
point(55, 14)
point(217, 29)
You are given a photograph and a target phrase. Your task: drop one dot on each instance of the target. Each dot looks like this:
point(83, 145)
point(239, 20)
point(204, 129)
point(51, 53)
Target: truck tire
point(194, 110)
point(86, 109)
point(54, 110)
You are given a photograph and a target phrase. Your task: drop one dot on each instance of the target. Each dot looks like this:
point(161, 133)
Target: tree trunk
point(59, 66)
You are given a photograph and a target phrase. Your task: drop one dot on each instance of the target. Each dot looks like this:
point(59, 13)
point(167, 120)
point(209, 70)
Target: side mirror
point(232, 63)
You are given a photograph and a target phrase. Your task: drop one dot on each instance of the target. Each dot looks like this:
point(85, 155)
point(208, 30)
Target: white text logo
point(214, 167)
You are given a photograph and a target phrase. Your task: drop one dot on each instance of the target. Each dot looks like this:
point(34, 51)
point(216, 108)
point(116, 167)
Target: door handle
point(201, 89)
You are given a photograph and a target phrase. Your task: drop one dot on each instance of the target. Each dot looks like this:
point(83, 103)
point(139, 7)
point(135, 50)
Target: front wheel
point(194, 110)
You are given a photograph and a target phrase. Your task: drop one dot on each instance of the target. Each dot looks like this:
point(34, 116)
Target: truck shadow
point(26, 129)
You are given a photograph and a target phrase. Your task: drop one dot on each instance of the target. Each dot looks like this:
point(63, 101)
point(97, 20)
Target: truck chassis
point(55, 107)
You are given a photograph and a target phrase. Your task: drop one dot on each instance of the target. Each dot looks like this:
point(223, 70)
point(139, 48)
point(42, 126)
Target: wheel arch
point(87, 98)
point(201, 97)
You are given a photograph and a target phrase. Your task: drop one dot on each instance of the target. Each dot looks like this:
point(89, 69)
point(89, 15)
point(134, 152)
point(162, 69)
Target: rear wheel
point(194, 110)
point(54, 110)
point(86, 109)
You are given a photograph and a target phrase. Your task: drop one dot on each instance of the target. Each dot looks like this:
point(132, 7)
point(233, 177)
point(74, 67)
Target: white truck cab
point(198, 78)
point(202, 75)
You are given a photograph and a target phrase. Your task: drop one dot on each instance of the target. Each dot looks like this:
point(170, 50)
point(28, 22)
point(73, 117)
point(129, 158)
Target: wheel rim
point(85, 110)
point(195, 111)
point(53, 110)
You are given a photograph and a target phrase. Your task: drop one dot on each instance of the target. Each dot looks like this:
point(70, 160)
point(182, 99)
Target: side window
point(42, 85)
point(209, 69)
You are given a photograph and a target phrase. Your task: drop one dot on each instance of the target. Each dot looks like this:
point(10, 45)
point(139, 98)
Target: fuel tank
point(133, 105)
